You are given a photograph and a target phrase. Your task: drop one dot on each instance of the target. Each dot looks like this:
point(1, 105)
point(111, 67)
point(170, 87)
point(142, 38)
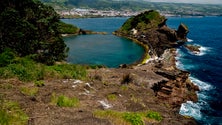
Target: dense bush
point(30, 27)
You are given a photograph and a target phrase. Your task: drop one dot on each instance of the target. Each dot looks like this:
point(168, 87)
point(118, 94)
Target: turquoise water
point(108, 50)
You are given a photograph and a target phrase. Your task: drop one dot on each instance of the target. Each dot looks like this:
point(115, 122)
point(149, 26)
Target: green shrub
point(39, 83)
point(154, 115)
point(6, 58)
point(63, 101)
point(67, 28)
point(133, 118)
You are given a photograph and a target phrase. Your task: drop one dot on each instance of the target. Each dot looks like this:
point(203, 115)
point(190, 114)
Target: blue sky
point(190, 1)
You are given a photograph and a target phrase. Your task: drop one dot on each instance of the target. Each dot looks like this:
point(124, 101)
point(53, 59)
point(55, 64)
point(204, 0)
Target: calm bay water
point(99, 49)
point(205, 68)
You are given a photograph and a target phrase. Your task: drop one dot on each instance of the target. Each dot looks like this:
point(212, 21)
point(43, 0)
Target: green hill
point(137, 5)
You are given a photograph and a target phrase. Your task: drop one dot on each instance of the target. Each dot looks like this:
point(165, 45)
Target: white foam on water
point(191, 109)
point(194, 109)
point(202, 85)
point(203, 50)
point(189, 40)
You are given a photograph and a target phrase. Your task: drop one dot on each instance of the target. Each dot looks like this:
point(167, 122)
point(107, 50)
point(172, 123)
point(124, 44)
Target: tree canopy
point(29, 27)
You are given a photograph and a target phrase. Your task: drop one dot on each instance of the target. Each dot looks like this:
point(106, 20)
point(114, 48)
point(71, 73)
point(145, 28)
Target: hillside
point(166, 8)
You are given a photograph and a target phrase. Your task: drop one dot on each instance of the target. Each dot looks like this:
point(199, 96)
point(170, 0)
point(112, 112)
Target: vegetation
point(29, 91)
point(63, 101)
point(138, 5)
point(128, 118)
point(29, 27)
point(67, 28)
point(111, 97)
point(133, 118)
point(154, 115)
point(145, 20)
point(11, 113)
point(39, 83)
point(25, 69)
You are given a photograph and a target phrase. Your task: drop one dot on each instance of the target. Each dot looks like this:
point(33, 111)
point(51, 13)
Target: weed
point(25, 69)
point(29, 91)
point(126, 118)
point(133, 118)
point(114, 116)
point(154, 115)
point(11, 114)
point(111, 97)
point(39, 83)
point(124, 87)
point(63, 101)
point(6, 86)
point(67, 71)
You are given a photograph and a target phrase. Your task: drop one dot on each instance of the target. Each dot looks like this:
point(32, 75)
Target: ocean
point(205, 68)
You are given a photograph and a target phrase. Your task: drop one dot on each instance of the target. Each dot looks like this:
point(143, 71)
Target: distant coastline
point(93, 13)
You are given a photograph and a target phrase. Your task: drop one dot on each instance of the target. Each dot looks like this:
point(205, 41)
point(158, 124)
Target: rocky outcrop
point(150, 29)
point(193, 48)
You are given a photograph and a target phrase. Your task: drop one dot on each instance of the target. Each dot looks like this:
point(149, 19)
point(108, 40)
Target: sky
point(190, 1)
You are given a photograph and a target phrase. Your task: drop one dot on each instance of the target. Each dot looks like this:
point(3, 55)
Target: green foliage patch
point(64, 101)
point(30, 27)
point(11, 113)
point(154, 115)
point(25, 69)
point(145, 20)
point(29, 91)
point(133, 118)
point(67, 28)
point(129, 118)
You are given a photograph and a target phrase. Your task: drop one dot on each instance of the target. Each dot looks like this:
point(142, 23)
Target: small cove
point(108, 50)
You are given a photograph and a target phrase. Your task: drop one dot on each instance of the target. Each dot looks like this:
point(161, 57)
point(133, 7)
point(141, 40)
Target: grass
point(66, 71)
point(25, 69)
point(154, 115)
point(64, 101)
point(133, 118)
point(111, 97)
point(29, 91)
point(129, 118)
point(39, 83)
point(12, 114)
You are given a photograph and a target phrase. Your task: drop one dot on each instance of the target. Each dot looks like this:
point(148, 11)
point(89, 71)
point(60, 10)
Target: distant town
point(78, 12)
point(81, 13)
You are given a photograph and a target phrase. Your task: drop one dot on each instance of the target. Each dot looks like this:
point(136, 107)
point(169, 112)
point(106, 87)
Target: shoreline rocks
point(162, 41)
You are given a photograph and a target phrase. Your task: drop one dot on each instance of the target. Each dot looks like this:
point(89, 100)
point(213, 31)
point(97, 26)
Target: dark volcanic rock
point(193, 48)
point(150, 29)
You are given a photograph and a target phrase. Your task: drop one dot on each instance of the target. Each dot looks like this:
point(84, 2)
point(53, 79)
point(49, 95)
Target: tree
point(30, 27)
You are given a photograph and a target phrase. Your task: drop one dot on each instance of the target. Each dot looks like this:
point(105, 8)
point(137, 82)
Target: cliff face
point(150, 29)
